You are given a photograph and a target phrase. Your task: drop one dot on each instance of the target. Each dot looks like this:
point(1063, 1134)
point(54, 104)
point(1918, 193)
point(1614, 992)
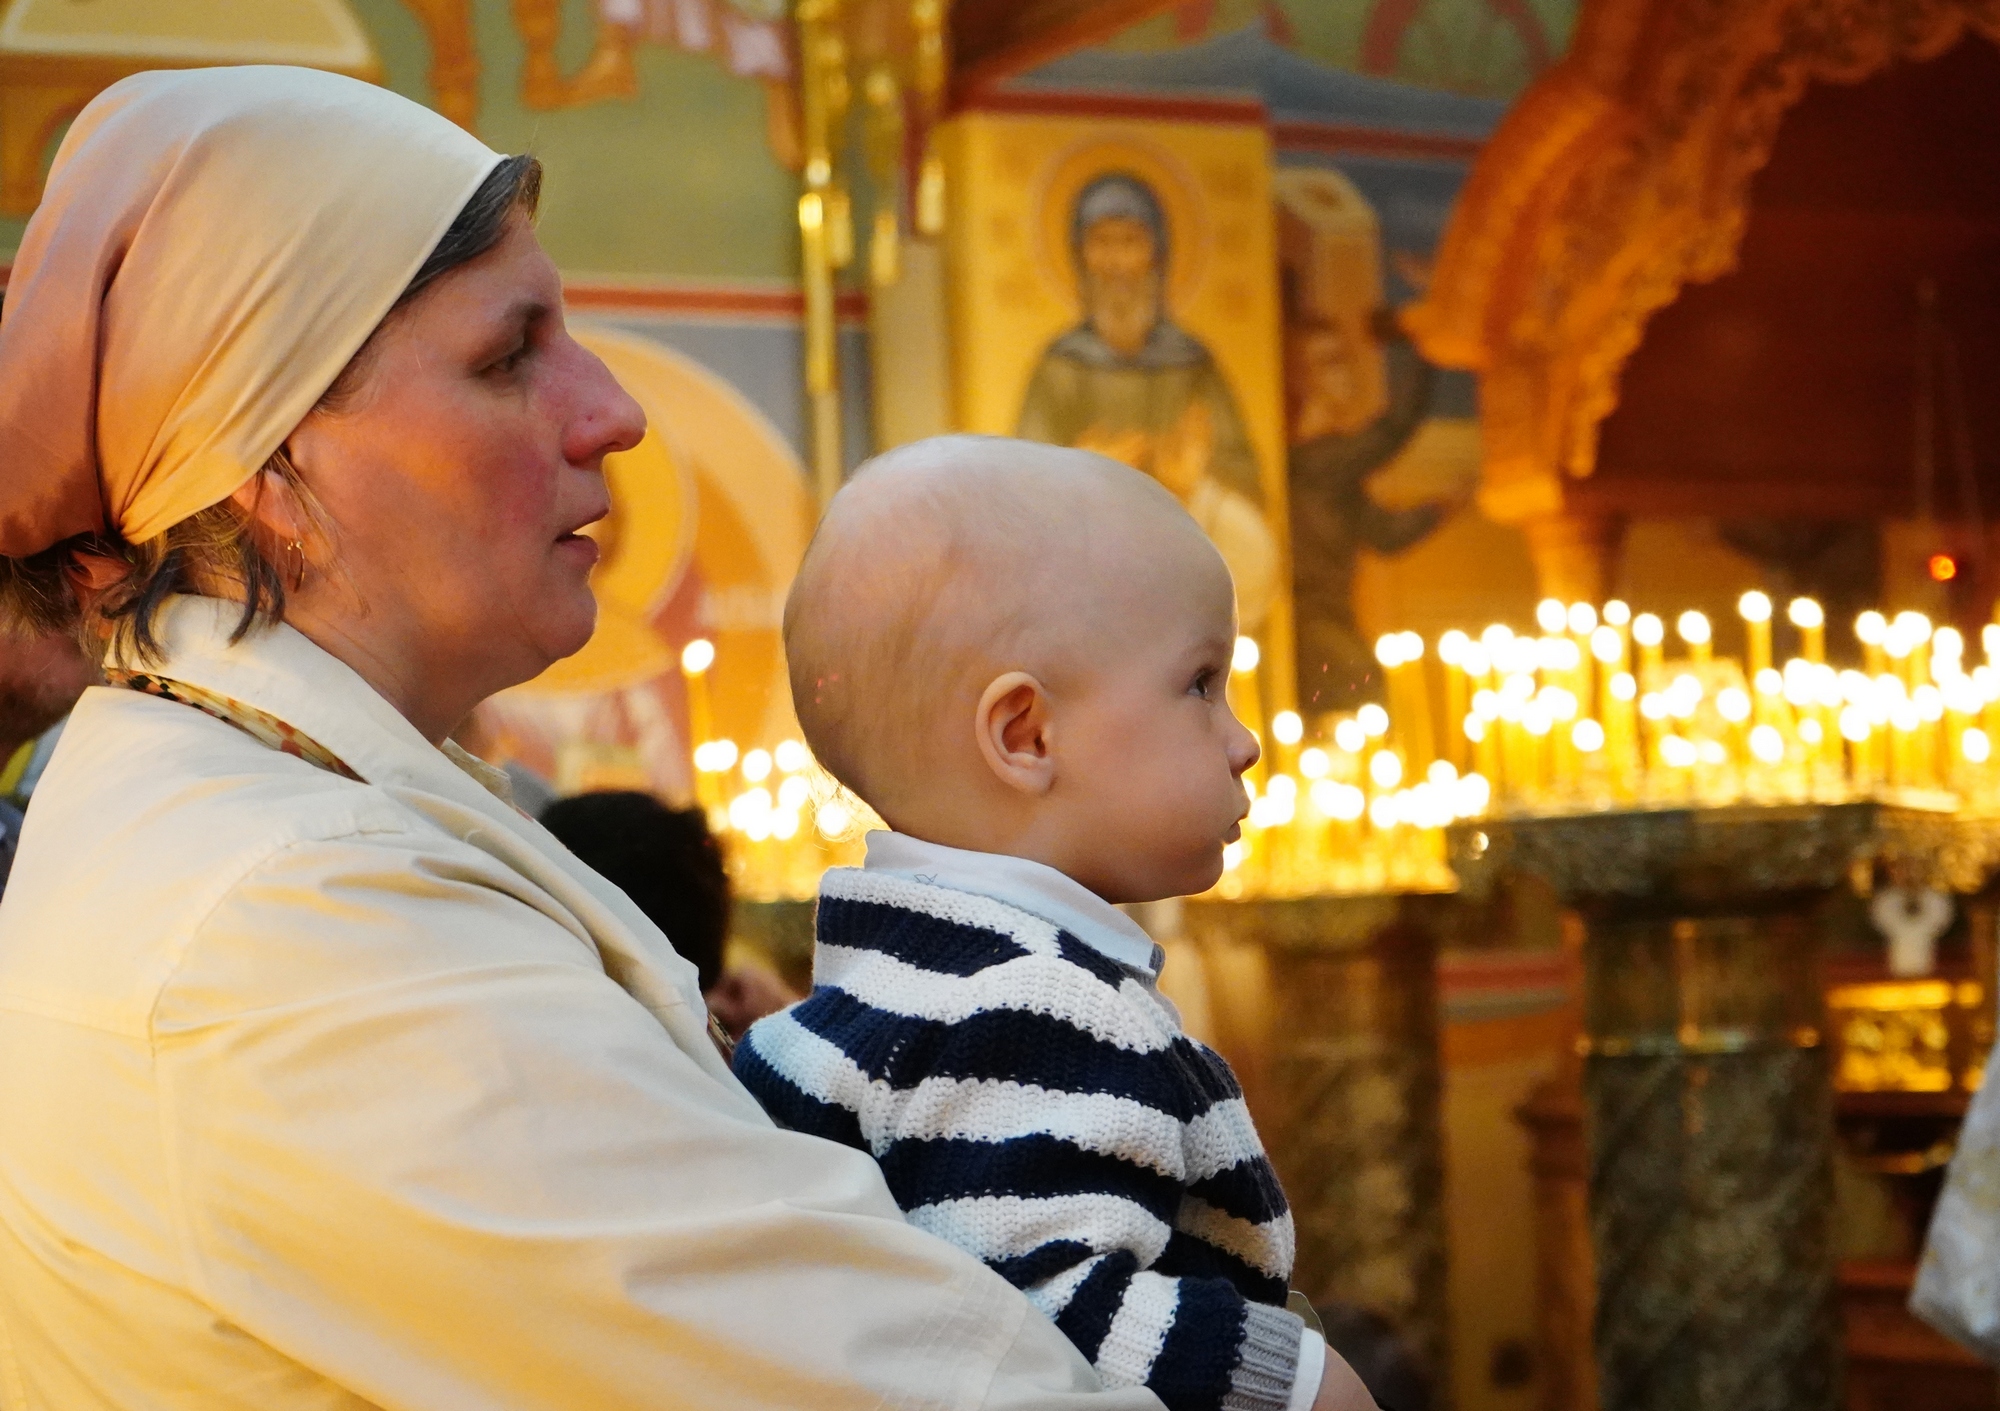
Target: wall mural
point(1490, 48)
point(1129, 382)
point(1349, 413)
point(1141, 316)
point(1113, 287)
point(56, 55)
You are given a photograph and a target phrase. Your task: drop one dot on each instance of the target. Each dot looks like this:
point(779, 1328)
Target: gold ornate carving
point(454, 58)
point(1911, 1036)
point(1621, 176)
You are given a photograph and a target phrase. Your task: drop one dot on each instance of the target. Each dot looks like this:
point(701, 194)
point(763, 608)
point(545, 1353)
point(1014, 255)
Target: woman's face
point(457, 480)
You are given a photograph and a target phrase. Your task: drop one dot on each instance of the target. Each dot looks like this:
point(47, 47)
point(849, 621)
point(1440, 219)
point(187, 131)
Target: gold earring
point(298, 548)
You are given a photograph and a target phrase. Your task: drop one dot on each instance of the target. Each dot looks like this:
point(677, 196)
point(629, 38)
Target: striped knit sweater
point(1038, 1106)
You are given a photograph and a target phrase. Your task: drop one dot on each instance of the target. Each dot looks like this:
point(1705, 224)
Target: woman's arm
point(420, 1143)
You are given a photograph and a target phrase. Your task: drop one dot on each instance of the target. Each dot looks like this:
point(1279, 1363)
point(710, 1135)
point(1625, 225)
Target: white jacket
point(331, 1094)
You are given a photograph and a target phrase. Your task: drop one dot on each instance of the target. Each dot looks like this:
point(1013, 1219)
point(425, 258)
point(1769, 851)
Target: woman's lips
point(581, 544)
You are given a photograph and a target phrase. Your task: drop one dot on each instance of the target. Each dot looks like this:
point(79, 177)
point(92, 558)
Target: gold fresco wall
point(1200, 404)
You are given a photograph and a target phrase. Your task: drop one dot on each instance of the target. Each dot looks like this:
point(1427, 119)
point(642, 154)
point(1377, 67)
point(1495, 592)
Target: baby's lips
point(1235, 832)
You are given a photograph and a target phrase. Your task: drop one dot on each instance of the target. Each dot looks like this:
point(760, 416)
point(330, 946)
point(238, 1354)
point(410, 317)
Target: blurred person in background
point(40, 679)
point(672, 868)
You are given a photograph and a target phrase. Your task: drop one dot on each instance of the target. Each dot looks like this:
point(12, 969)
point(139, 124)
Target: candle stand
point(1353, 1096)
point(1707, 1092)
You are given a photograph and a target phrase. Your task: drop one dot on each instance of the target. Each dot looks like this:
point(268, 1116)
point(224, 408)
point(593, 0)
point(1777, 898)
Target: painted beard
point(1124, 308)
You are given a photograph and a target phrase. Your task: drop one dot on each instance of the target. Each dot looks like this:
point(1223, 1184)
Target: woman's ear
point(268, 502)
point(1012, 725)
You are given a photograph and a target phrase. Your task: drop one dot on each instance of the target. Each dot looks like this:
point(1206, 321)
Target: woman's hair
point(664, 859)
point(38, 594)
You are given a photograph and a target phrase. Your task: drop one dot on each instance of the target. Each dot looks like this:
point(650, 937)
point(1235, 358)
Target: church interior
point(1595, 402)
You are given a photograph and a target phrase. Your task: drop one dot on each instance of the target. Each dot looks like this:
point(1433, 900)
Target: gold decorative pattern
point(454, 71)
point(55, 58)
point(1909, 1036)
point(1621, 176)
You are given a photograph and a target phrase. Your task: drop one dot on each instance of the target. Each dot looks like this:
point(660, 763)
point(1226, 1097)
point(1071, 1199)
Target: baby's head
point(1024, 649)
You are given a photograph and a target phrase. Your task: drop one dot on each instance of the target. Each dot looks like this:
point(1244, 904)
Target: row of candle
point(1591, 712)
point(783, 819)
point(1598, 708)
point(1348, 810)
point(1357, 804)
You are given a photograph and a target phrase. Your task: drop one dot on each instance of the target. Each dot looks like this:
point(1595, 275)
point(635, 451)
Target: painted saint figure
point(1130, 383)
point(1338, 445)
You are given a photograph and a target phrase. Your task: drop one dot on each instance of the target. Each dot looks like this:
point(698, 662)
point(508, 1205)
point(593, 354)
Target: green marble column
point(1708, 1105)
point(1351, 1097)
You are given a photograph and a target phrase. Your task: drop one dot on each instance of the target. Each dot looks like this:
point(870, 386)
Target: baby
point(1017, 655)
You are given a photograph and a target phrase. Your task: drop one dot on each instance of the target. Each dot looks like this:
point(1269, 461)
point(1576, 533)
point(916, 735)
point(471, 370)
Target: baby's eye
point(1204, 683)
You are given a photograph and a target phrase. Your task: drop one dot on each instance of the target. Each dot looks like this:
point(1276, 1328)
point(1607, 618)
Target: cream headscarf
point(213, 246)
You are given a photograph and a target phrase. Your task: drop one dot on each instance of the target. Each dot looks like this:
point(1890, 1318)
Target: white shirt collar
point(1034, 887)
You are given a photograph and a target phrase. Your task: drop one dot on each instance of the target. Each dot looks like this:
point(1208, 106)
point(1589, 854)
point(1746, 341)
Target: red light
point(1944, 567)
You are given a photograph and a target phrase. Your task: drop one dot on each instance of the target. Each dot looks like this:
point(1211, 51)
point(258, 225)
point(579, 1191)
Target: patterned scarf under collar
point(260, 725)
point(267, 729)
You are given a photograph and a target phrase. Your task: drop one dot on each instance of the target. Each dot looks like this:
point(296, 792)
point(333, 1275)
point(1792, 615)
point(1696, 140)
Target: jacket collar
point(279, 670)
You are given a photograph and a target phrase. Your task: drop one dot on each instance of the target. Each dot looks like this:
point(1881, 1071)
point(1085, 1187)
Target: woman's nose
point(608, 418)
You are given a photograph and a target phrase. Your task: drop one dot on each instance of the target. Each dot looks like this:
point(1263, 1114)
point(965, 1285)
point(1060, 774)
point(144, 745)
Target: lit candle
point(1855, 730)
point(1480, 723)
point(1694, 630)
point(696, 658)
point(1582, 624)
point(1649, 632)
point(1909, 641)
point(1621, 733)
point(1452, 650)
point(1287, 730)
point(1872, 630)
point(1755, 609)
point(1649, 635)
point(1414, 736)
point(1810, 619)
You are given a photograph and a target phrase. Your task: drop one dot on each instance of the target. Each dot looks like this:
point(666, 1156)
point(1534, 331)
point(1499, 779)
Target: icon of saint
point(1130, 383)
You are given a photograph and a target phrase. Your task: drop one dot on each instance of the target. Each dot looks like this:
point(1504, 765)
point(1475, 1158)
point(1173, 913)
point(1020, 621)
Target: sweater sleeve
point(1048, 1146)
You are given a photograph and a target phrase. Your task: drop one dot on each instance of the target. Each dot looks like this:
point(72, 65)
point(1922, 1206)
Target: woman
point(333, 1081)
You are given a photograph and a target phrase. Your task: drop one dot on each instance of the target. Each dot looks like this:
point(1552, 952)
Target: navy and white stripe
point(1037, 1105)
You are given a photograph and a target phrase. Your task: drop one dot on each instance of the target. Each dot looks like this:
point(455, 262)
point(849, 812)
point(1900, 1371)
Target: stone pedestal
point(1351, 1107)
point(1707, 1098)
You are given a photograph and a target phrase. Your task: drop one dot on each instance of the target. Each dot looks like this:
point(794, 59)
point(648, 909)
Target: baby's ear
point(1012, 725)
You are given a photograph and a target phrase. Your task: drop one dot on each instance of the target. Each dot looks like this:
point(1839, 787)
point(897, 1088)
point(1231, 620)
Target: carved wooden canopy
point(1621, 175)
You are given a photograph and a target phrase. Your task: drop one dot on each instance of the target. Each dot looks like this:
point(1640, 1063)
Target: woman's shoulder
point(149, 817)
point(138, 774)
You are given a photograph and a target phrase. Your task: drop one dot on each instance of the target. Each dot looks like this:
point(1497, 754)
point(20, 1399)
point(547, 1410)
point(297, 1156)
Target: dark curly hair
point(217, 546)
point(664, 859)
